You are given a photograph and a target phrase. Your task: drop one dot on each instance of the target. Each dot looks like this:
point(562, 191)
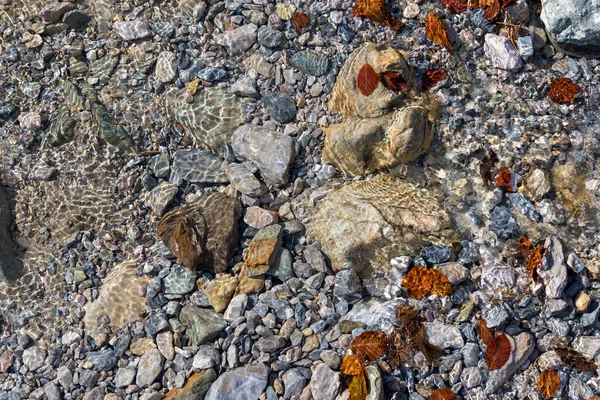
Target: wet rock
point(269, 37)
point(347, 286)
point(33, 357)
point(471, 377)
point(245, 87)
point(502, 52)
point(496, 314)
point(375, 384)
point(375, 314)
point(180, 280)
point(76, 19)
point(31, 121)
point(365, 224)
point(220, 291)
point(436, 254)
point(240, 39)
point(240, 383)
point(522, 346)
point(109, 131)
point(578, 389)
point(61, 130)
point(572, 26)
point(258, 218)
point(496, 274)
point(271, 151)
point(502, 222)
point(198, 166)
point(262, 250)
point(243, 180)
point(455, 272)
point(270, 344)
point(280, 107)
point(196, 386)
point(210, 119)
point(183, 230)
point(166, 66)
point(202, 324)
point(6, 360)
point(310, 62)
point(123, 283)
point(522, 205)
point(444, 336)
point(160, 197)
point(554, 270)
point(139, 346)
point(11, 267)
point(324, 383)
point(131, 30)
point(52, 12)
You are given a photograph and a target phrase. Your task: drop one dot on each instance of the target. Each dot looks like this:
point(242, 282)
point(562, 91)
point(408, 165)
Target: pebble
point(347, 286)
point(281, 107)
point(501, 52)
point(444, 336)
point(52, 12)
point(244, 181)
point(131, 30)
point(166, 66)
point(202, 325)
point(206, 357)
point(324, 383)
point(258, 218)
point(240, 39)
point(241, 383)
point(310, 62)
point(179, 281)
point(149, 368)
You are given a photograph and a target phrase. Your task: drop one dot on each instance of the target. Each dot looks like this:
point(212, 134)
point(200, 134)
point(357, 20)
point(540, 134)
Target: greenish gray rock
point(202, 324)
point(199, 166)
point(104, 67)
point(61, 130)
point(180, 280)
point(310, 62)
point(11, 267)
point(109, 131)
point(244, 181)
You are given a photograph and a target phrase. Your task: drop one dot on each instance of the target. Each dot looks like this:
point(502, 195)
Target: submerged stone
point(11, 267)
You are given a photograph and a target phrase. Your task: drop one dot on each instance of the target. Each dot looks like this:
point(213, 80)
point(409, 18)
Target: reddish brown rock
point(6, 360)
point(195, 388)
point(263, 249)
point(183, 230)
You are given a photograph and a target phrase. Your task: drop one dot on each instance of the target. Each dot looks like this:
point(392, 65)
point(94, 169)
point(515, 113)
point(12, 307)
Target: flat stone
point(102, 360)
point(310, 62)
point(502, 52)
point(220, 291)
point(33, 357)
point(199, 166)
point(324, 383)
point(262, 250)
point(164, 342)
point(240, 39)
point(6, 360)
point(195, 388)
point(236, 307)
point(271, 151)
point(258, 218)
point(241, 383)
point(180, 280)
point(243, 180)
point(125, 377)
point(444, 336)
point(293, 382)
point(131, 30)
point(503, 223)
point(269, 37)
point(202, 324)
point(149, 367)
point(76, 19)
point(554, 270)
point(140, 346)
point(281, 107)
point(375, 314)
point(270, 344)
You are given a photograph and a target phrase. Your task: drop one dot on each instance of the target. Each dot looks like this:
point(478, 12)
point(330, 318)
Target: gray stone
point(455, 272)
point(293, 382)
point(202, 324)
point(444, 336)
point(324, 383)
point(166, 66)
point(52, 12)
point(33, 357)
point(496, 314)
point(206, 357)
point(125, 377)
point(502, 223)
point(159, 164)
point(236, 307)
point(164, 342)
point(578, 389)
point(471, 377)
point(245, 87)
point(502, 52)
point(470, 353)
point(269, 37)
point(240, 39)
point(213, 74)
point(573, 26)
point(282, 267)
point(131, 30)
point(522, 205)
point(271, 151)
point(149, 367)
point(258, 218)
point(199, 166)
point(11, 267)
point(554, 270)
point(588, 346)
point(65, 378)
point(522, 346)
point(436, 254)
point(76, 19)
point(52, 391)
point(347, 286)
point(376, 314)
point(537, 184)
point(495, 274)
point(180, 280)
point(103, 360)
point(281, 107)
point(310, 62)
point(270, 344)
point(244, 181)
point(241, 383)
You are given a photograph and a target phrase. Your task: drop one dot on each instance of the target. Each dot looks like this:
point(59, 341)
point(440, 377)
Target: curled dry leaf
point(487, 166)
point(498, 352)
point(485, 334)
point(548, 383)
point(532, 256)
point(436, 32)
point(369, 346)
point(376, 11)
point(393, 80)
point(367, 79)
point(301, 20)
point(492, 13)
point(431, 77)
point(576, 360)
point(456, 6)
point(504, 180)
point(442, 394)
point(410, 336)
point(563, 91)
point(351, 365)
point(421, 281)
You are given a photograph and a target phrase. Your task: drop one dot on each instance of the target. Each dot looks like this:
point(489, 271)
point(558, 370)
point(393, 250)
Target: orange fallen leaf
point(481, 3)
point(442, 394)
point(358, 387)
point(301, 20)
point(436, 32)
point(351, 365)
point(498, 352)
point(393, 80)
point(376, 11)
point(369, 346)
point(485, 333)
point(431, 77)
point(492, 13)
point(548, 383)
point(367, 79)
point(421, 281)
point(532, 255)
point(563, 91)
point(504, 180)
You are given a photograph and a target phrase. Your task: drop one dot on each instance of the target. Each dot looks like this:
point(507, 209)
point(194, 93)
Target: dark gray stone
point(11, 267)
point(436, 254)
point(269, 37)
point(280, 107)
point(76, 18)
point(103, 360)
point(502, 223)
point(522, 205)
point(347, 286)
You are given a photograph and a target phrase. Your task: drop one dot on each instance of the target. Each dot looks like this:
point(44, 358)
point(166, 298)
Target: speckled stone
point(180, 280)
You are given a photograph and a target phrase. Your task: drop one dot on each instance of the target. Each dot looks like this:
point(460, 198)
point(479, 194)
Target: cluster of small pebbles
point(200, 203)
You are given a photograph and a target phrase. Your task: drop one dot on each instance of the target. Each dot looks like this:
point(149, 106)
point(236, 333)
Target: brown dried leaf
point(393, 80)
point(485, 334)
point(563, 91)
point(487, 166)
point(351, 365)
point(576, 360)
point(508, 3)
point(358, 387)
point(436, 32)
point(184, 237)
point(481, 3)
point(399, 347)
point(367, 79)
point(369, 346)
point(442, 394)
point(430, 351)
point(533, 256)
point(301, 20)
point(504, 179)
point(548, 383)
point(492, 13)
point(431, 77)
point(408, 320)
point(441, 285)
point(456, 6)
point(376, 11)
point(498, 352)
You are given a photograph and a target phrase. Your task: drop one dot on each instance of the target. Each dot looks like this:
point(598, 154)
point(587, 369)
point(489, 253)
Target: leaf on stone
point(351, 365)
point(358, 387)
point(408, 321)
point(486, 167)
point(548, 383)
point(409, 336)
point(399, 347)
point(369, 345)
point(563, 91)
point(576, 360)
point(481, 3)
point(441, 285)
point(485, 334)
point(498, 352)
point(184, 237)
point(376, 11)
point(431, 77)
point(532, 255)
point(504, 179)
point(301, 20)
point(430, 351)
point(421, 281)
point(436, 32)
point(492, 13)
point(456, 6)
point(367, 79)
point(442, 394)
point(393, 80)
